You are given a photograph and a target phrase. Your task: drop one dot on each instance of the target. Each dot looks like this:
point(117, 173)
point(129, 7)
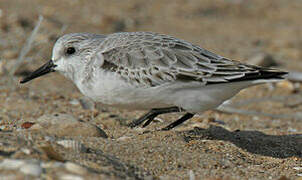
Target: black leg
point(149, 117)
point(148, 121)
point(178, 122)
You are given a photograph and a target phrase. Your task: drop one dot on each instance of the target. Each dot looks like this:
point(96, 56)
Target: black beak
point(46, 68)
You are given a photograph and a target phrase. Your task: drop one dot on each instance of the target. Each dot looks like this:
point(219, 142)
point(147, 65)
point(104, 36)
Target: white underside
point(110, 90)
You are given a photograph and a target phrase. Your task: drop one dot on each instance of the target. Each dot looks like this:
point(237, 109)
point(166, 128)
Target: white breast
point(109, 89)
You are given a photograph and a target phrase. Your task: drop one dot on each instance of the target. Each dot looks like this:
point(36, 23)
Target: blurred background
point(266, 33)
point(233, 28)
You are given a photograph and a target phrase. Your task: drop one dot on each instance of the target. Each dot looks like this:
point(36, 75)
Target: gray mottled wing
point(152, 59)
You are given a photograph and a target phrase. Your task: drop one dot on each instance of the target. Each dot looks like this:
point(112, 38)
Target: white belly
point(193, 97)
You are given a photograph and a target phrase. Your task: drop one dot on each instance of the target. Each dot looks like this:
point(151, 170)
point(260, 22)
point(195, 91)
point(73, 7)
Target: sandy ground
point(216, 145)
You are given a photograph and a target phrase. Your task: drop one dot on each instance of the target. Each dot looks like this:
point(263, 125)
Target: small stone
point(31, 169)
point(36, 127)
point(123, 138)
point(52, 164)
point(199, 125)
point(66, 125)
point(11, 163)
point(74, 102)
point(49, 138)
point(297, 168)
point(75, 168)
point(219, 121)
point(281, 178)
point(27, 125)
point(70, 177)
point(2, 128)
point(139, 129)
point(294, 76)
point(292, 130)
point(263, 59)
point(9, 54)
point(292, 87)
point(10, 177)
point(51, 153)
point(26, 151)
point(191, 175)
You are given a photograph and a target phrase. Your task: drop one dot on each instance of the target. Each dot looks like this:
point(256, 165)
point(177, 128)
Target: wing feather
point(153, 59)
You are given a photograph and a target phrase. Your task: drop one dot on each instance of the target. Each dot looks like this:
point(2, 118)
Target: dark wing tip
point(259, 74)
point(262, 74)
point(271, 74)
point(22, 81)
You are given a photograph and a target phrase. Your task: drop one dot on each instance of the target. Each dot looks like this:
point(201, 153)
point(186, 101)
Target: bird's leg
point(149, 117)
point(185, 117)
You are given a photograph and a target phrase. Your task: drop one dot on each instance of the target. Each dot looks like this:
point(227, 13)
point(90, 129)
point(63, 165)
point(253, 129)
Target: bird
point(151, 71)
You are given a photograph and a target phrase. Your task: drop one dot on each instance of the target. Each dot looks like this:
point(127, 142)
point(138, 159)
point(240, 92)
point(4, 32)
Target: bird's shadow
point(278, 146)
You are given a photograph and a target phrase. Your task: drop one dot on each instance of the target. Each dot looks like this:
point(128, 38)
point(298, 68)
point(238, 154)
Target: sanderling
point(145, 70)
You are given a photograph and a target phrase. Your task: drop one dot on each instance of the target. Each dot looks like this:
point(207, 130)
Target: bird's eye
point(70, 50)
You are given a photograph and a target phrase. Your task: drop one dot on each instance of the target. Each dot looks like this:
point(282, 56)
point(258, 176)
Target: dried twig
point(191, 175)
point(26, 48)
point(63, 29)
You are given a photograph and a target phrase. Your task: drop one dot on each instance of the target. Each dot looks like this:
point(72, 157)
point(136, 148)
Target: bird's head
point(70, 55)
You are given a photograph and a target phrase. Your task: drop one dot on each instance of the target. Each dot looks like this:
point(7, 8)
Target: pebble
point(70, 177)
point(74, 102)
point(51, 153)
point(191, 175)
point(31, 169)
point(2, 127)
point(219, 121)
point(263, 59)
point(11, 164)
point(75, 168)
point(292, 87)
point(294, 76)
point(52, 164)
point(63, 125)
point(297, 168)
point(9, 177)
point(49, 138)
point(9, 54)
point(26, 151)
point(74, 145)
point(123, 138)
point(27, 125)
point(292, 130)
